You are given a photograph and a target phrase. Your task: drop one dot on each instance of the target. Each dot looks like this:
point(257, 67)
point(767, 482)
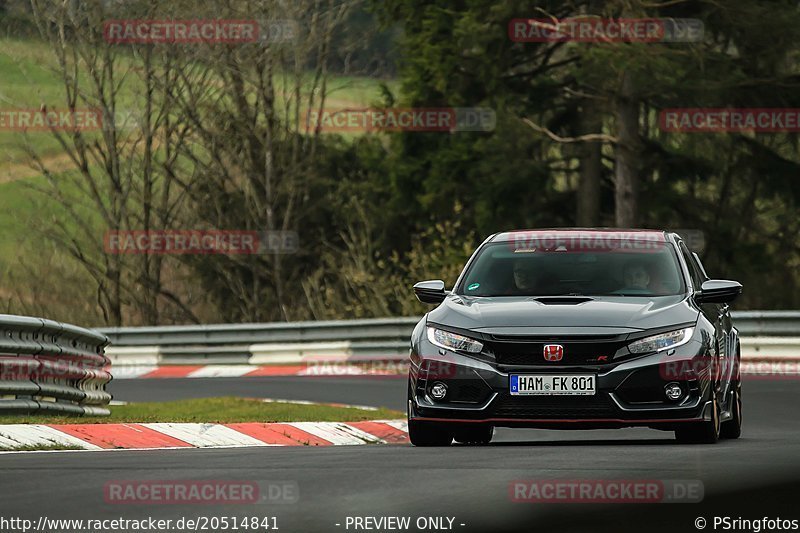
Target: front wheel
point(706, 432)
point(429, 434)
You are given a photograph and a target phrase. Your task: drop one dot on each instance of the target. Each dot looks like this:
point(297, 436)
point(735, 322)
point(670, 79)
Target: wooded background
point(212, 136)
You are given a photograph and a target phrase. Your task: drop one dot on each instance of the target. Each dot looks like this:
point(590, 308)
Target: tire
point(706, 432)
point(479, 435)
point(429, 434)
point(732, 429)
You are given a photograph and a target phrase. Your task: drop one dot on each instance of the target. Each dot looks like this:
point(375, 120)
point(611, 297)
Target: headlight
point(453, 341)
point(662, 341)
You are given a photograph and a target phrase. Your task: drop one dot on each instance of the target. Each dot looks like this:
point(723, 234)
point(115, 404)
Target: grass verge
point(216, 410)
point(40, 448)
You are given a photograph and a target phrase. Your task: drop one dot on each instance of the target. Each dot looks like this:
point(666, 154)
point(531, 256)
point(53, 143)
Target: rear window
point(616, 267)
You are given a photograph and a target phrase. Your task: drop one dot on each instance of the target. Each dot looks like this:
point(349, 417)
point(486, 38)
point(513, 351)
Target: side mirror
point(430, 292)
point(718, 291)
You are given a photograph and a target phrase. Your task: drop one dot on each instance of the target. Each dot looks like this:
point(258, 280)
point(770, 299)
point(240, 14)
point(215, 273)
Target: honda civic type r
point(576, 329)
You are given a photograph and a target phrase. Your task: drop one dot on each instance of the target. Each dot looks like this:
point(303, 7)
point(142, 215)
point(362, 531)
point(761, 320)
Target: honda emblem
point(553, 352)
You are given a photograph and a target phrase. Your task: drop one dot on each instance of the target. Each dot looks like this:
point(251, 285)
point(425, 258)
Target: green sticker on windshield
point(473, 286)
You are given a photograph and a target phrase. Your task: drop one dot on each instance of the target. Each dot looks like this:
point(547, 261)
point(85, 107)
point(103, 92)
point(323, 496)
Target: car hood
point(527, 315)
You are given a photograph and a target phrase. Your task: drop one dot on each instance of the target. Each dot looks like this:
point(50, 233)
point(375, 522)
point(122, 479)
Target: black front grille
point(554, 407)
point(467, 392)
point(649, 395)
point(530, 351)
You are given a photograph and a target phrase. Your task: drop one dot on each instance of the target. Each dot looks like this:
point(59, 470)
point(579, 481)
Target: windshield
point(503, 269)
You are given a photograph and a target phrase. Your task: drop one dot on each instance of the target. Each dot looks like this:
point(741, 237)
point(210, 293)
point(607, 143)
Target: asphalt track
point(753, 477)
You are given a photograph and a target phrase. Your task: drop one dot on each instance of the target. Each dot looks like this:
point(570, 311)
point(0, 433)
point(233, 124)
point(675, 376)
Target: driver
point(635, 275)
point(525, 278)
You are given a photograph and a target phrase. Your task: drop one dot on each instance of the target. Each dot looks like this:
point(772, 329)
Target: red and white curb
point(192, 435)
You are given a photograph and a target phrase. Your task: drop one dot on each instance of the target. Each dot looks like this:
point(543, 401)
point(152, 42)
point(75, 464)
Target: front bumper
point(628, 393)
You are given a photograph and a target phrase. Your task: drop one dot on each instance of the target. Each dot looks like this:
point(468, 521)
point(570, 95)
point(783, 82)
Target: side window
point(694, 270)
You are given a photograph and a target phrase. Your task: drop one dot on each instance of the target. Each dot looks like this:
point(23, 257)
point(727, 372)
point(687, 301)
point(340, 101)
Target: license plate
point(552, 384)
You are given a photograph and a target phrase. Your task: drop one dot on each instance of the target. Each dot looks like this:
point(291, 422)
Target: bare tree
point(122, 175)
point(251, 147)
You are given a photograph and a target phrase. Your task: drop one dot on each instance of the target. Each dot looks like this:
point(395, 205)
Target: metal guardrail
point(376, 329)
point(380, 338)
point(51, 367)
point(384, 338)
point(767, 323)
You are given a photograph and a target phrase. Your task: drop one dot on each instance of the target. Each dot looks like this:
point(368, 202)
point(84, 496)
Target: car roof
point(581, 233)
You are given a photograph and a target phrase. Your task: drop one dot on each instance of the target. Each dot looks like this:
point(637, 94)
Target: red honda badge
point(553, 352)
